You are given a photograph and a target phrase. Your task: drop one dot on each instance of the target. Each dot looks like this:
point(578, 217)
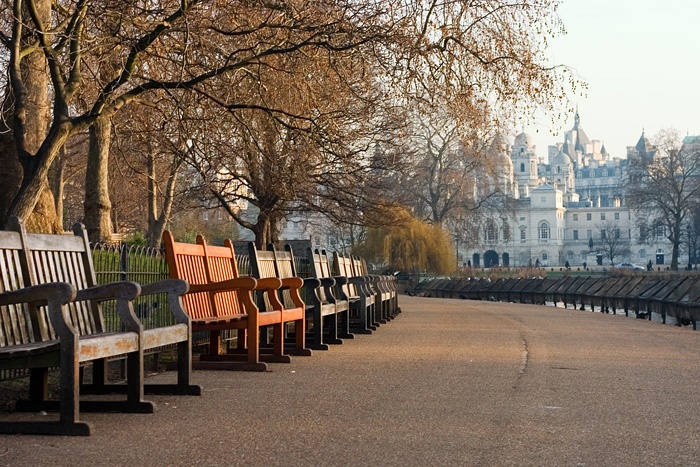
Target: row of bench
point(52, 315)
point(676, 297)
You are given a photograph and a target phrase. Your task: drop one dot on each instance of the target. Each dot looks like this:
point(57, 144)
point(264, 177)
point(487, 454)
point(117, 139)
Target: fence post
point(123, 261)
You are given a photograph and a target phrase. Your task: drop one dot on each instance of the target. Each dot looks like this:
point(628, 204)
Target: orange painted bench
point(220, 300)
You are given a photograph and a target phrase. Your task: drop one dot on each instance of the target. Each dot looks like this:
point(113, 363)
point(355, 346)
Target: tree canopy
point(304, 91)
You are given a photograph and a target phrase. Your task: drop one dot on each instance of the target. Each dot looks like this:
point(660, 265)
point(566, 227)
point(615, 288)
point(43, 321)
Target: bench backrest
point(320, 269)
point(16, 326)
point(262, 265)
point(199, 263)
point(343, 267)
point(62, 258)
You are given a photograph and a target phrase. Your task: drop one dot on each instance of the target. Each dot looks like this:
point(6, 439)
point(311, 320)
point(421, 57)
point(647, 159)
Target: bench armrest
point(311, 283)
point(268, 283)
point(57, 292)
point(340, 280)
point(292, 282)
point(240, 283)
point(175, 288)
point(124, 290)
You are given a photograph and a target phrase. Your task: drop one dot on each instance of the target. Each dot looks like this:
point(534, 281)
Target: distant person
point(537, 263)
point(585, 265)
point(567, 265)
point(650, 266)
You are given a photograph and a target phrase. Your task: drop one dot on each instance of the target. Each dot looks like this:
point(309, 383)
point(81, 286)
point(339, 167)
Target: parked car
point(631, 266)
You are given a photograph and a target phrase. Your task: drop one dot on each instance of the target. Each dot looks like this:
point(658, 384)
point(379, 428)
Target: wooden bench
point(75, 333)
point(271, 264)
point(219, 300)
point(319, 313)
point(383, 300)
point(323, 302)
point(360, 297)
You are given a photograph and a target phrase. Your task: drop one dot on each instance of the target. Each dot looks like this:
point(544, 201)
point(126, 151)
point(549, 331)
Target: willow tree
point(411, 245)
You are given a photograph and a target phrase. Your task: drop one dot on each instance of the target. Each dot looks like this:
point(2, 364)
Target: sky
point(641, 60)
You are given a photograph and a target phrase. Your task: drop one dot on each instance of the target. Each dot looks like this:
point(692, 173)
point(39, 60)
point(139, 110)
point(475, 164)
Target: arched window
point(543, 230)
point(522, 167)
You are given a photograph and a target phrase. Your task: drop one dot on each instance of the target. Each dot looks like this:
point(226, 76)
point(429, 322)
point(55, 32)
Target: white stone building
point(561, 205)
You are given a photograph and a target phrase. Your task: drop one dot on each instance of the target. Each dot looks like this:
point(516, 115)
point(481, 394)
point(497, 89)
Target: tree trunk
point(156, 223)
point(98, 222)
point(32, 200)
point(56, 185)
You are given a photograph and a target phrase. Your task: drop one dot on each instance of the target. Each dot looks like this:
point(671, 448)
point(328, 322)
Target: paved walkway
point(447, 383)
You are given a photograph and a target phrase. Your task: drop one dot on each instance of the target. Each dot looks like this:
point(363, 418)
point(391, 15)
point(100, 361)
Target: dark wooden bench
point(220, 300)
point(386, 299)
point(271, 264)
point(75, 334)
point(327, 300)
point(359, 294)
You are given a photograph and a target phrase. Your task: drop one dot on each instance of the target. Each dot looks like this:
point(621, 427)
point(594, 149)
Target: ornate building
point(564, 208)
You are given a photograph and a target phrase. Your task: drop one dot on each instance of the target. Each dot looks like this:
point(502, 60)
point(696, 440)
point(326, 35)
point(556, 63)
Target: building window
point(602, 216)
point(617, 233)
point(490, 232)
point(617, 216)
point(575, 234)
point(543, 230)
point(522, 234)
point(642, 233)
point(589, 216)
point(522, 167)
point(545, 257)
point(660, 231)
point(506, 232)
point(205, 216)
point(589, 234)
point(575, 217)
point(642, 255)
point(603, 234)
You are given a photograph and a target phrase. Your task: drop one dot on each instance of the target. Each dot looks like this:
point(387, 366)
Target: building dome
point(523, 139)
point(561, 159)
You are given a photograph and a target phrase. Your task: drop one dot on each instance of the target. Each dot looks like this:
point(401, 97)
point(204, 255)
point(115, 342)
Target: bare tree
point(664, 187)
point(613, 241)
point(99, 56)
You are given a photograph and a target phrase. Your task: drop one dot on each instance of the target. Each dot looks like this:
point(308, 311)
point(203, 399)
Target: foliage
point(135, 238)
point(409, 245)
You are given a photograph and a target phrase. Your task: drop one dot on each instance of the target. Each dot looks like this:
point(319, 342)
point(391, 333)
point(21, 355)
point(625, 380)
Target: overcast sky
point(641, 60)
